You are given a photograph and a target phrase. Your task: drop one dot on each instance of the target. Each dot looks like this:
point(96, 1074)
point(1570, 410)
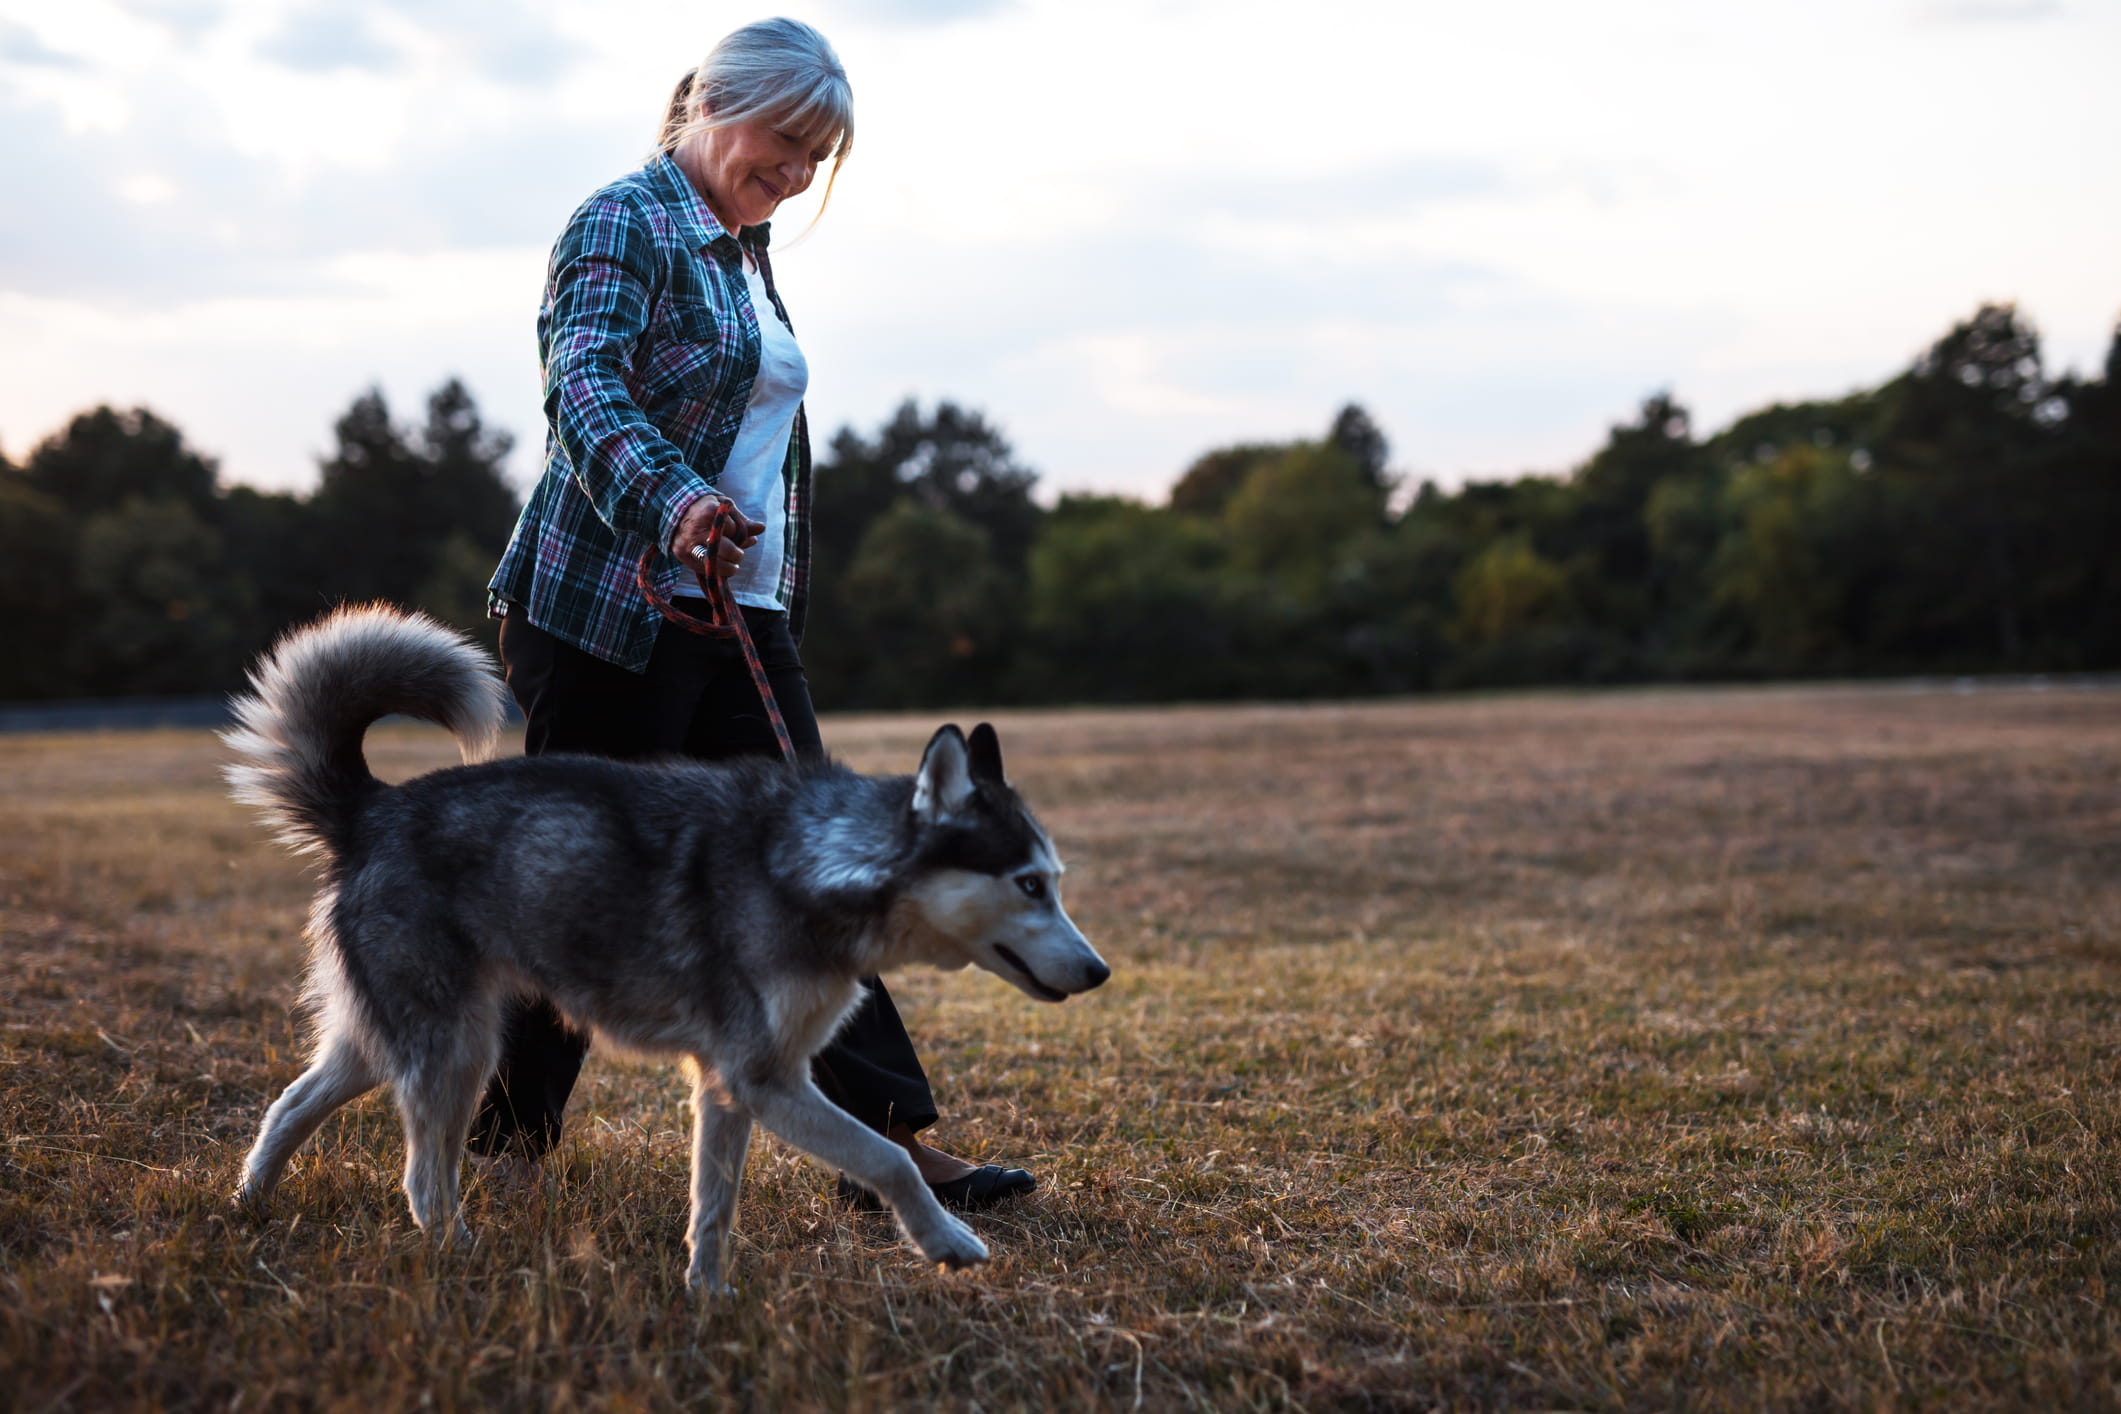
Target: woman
point(673, 379)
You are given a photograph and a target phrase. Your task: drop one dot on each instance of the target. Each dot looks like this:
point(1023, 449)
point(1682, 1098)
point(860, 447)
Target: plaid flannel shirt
point(650, 345)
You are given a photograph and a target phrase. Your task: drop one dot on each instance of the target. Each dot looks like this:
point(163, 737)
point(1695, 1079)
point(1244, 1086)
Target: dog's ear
point(944, 785)
point(987, 755)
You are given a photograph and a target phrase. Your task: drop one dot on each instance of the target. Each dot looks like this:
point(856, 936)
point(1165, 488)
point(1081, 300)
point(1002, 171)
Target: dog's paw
point(707, 1290)
point(953, 1246)
point(451, 1234)
point(250, 1203)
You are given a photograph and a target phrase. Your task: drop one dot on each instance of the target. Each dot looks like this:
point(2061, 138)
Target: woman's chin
point(764, 203)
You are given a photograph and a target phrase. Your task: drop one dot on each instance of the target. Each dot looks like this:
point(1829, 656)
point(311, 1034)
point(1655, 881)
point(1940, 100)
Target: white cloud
point(20, 45)
point(186, 19)
point(1982, 12)
point(915, 13)
point(324, 38)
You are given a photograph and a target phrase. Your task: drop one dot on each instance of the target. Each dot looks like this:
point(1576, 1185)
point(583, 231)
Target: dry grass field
point(1708, 1050)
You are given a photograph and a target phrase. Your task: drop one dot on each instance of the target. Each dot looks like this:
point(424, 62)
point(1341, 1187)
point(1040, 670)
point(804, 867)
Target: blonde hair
point(778, 71)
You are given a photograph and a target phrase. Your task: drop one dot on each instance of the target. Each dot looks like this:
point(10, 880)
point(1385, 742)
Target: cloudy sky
point(1127, 231)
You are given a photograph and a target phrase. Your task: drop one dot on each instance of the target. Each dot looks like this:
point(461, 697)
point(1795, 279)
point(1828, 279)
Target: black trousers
point(696, 699)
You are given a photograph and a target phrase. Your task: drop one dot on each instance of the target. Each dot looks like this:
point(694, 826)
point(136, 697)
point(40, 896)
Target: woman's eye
point(1032, 885)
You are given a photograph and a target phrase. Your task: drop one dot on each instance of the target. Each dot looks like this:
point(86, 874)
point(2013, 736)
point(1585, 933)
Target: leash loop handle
point(725, 618)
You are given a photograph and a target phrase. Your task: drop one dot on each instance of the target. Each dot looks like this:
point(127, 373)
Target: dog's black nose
point(1097, 974)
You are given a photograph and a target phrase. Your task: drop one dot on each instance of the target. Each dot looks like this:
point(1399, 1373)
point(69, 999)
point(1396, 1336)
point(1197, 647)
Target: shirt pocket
point(684, 353)
point(690, 321)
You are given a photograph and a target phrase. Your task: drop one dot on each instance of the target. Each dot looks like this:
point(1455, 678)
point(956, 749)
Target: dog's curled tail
point(314, 695)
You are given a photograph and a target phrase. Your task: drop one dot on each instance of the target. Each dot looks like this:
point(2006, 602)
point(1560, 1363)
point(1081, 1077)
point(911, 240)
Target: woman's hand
point(698, 520)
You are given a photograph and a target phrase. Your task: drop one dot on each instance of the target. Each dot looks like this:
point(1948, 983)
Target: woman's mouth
point(769, 188)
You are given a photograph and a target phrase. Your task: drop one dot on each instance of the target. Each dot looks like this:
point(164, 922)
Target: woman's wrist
point(688, 520)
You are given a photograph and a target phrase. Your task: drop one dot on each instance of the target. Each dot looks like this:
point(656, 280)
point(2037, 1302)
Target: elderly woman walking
point(673, 380)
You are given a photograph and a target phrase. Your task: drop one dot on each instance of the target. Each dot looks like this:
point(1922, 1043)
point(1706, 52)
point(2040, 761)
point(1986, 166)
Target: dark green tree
point(1604, 536)
point(1849, 424)
point(466, 488)
point(1296, 517)
point(162, 612)
point(2072, 580)
point(926, 602)
point(1213, 478)
point(373, 540)
point(1508, 590)
point(103, 456)
point(1133, 603)
point(1782, 576)
point(1354, 433)
point(960, 470)
point(273, 539)
point(1392, 600)
point(126, 570)
point(121, 508)
point(390, 501)
point(950, 460)
point(36, 590)
point(1207, 486)
point(1961, 436)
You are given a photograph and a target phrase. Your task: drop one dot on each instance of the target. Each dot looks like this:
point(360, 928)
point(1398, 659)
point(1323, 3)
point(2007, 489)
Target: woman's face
point(746, 170)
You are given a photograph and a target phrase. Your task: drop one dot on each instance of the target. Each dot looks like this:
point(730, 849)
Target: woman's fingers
point(694, 526)
point(727, 561)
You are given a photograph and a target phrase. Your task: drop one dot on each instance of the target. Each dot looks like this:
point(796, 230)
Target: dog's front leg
point(721, 1136)
point(795, 1109)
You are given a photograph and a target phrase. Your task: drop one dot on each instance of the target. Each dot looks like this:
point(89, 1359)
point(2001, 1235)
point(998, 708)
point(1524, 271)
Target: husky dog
point(720, 912)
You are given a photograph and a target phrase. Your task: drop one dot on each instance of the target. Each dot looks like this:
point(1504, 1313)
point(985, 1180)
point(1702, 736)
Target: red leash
point(724, 618)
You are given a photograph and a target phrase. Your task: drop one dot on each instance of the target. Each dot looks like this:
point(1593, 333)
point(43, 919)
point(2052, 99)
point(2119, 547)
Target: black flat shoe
point(982, 1188)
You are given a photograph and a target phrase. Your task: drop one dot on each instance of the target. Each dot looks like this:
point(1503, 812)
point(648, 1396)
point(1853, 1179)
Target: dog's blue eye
point(1032, 885)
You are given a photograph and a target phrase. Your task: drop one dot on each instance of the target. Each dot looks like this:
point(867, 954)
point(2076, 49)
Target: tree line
point(1962, 516)
point(127, 569)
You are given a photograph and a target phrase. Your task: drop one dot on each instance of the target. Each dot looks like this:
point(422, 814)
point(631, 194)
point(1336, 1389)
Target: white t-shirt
point(753, 477)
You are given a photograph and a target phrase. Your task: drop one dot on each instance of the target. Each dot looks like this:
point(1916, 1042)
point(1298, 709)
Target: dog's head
point(987, 884)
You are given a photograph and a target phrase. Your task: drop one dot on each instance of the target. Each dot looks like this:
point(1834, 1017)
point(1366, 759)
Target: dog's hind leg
point(721, 1136)
point(338, 1074)
point(436, 1102)
point(794, 1108)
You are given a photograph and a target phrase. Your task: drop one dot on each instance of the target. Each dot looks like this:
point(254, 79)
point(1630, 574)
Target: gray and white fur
point(722, 912)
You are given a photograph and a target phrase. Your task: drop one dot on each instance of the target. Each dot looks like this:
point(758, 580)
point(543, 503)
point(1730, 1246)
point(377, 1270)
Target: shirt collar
point(702, 230)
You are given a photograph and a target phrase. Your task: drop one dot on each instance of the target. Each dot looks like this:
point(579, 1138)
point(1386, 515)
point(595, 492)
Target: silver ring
point(699, 552)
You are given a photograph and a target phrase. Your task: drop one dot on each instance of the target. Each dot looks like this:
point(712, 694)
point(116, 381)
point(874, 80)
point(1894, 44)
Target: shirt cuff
point(674, 513)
